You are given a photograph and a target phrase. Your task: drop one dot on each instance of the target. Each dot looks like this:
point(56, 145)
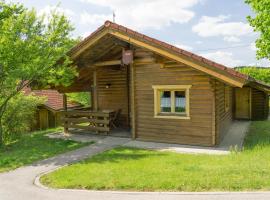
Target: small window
point(171, 101)
point(180, 101)
point(226, 98)
point(165, 101)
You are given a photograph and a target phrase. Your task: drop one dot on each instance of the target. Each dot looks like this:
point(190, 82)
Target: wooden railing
point(97, 121)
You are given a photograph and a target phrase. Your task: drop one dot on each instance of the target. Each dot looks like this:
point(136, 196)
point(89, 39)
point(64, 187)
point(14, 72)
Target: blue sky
point(216, 29)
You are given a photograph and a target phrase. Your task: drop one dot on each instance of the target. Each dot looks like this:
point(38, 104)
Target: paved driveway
point(19, 184)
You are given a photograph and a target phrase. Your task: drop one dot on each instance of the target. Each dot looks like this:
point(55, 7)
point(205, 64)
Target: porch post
point(95, 95)
point(133, 108)
point(65, 109)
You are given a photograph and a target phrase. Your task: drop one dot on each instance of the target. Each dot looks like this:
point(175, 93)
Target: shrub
point(20, 116)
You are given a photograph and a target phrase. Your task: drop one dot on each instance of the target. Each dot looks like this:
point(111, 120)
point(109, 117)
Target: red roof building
point(48, 115)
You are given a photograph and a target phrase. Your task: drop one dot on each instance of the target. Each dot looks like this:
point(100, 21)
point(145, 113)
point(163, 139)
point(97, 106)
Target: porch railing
point(98, 121)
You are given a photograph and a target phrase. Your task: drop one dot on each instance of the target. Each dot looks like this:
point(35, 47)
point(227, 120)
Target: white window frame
point(171, 115)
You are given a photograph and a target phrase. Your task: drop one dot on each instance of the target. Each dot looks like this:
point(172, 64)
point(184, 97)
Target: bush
point(20, 116)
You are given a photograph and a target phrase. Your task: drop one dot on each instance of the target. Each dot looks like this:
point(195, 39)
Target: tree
point(261, 24)
point(80, 97)
point(31, 48)
point(259, 73)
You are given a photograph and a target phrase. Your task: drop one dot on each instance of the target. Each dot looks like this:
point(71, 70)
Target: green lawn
point(33, 147)
point(144, 170)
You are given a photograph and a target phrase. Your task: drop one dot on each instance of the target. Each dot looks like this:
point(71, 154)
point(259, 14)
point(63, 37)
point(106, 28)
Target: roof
point(113, 27)
point(54, 99)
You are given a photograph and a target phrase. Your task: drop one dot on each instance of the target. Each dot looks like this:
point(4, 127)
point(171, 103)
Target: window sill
point(171, 117)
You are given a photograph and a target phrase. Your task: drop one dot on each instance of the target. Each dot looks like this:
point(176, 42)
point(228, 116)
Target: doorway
point(243, 103)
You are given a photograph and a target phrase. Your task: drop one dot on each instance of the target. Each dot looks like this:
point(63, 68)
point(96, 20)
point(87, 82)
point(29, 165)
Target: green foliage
point(33, 147)
point(32, 49)
point(259, 73)
point(145, 170)
point(20, 116)
point(80, 97)
point(261, 24)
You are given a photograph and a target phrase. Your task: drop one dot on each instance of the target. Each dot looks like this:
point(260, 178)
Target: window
point(171, 101)
point(226, 98)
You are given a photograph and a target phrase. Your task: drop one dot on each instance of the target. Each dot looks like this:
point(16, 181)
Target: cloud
point(253, 46)
point(225, 58)
point(48, 9)
point(260, 63)
point(87, 18)
point(217, 26)
point(231, 39)
point(141, 14)
point(185, 47)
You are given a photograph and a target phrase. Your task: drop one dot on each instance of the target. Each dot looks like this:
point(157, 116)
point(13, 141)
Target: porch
point(110, 111)
point(99, 122)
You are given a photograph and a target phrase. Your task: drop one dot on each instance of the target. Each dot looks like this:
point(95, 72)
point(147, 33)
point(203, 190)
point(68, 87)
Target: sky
point(215, 29)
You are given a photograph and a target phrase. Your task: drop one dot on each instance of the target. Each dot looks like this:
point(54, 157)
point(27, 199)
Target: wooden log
point(90, 128)
point(86, 113)
point(83, 120)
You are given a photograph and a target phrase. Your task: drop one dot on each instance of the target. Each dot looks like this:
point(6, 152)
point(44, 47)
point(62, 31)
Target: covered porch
point(106, 73)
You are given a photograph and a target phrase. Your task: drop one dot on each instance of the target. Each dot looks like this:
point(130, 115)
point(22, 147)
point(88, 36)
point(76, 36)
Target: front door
point(242, 103)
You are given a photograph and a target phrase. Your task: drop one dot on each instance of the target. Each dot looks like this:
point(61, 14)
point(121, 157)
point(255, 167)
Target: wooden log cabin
point(160, 92)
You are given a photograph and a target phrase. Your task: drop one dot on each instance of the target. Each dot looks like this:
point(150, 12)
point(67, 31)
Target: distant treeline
point(259, 73)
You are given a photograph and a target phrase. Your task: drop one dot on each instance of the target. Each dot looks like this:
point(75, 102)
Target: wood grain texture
point(116, 96)
point(196, 130)
point(260, 105)
point(224, 116)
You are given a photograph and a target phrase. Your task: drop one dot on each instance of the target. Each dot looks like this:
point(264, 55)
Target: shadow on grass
point(122, 154)
point(258, 135)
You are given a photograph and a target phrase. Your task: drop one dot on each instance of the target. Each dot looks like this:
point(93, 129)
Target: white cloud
point(217, 26)
point(185, 47)
point(141, 14)
point(225, 58)
point(48, 9)
point(260, 63)
point(253, 46)
point(231, 39)
point(87, 18)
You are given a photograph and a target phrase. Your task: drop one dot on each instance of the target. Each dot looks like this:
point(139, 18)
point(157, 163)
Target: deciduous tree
point(261, 24)
point(30, 49)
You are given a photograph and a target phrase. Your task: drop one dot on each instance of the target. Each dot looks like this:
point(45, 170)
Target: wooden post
point(214, 130)
point(95, 95)
point(91, 99)
point(133, 110)
point(65, 109)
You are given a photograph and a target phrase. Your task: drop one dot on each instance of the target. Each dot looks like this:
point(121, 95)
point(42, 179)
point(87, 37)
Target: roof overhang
point(260, 86)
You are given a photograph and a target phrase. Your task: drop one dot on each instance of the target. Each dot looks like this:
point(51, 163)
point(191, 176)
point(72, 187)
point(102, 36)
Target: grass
point(145, 170)
point(33, 147)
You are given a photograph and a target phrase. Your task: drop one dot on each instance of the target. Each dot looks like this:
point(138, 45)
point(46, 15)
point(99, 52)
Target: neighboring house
point(165, 94)
point(49, 114)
